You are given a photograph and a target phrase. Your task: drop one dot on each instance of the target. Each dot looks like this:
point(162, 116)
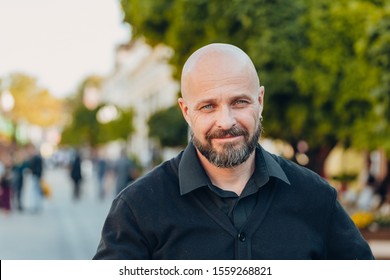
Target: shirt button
point(242, 236)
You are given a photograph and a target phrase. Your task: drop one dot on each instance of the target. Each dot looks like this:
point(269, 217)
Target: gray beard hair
point(233, 154)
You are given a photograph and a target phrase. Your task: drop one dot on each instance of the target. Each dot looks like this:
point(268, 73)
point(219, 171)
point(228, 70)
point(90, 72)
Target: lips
point(226, 134)
point(226, 137)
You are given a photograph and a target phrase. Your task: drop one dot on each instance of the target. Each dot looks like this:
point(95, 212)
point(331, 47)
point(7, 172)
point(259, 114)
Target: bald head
point(215, 61)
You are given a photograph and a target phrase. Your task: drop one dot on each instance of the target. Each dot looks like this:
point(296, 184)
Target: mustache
point(234, 131)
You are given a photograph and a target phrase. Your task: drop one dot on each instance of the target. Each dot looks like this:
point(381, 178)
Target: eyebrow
point(215, 100)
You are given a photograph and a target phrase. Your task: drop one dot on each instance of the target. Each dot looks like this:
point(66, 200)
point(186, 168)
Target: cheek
point(249, 123)
point(201, 124)
point(249, 119)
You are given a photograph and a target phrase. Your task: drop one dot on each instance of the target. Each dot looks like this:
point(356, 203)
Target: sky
point(60, 42)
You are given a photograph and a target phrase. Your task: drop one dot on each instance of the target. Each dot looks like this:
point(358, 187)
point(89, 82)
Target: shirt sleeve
point(344, 240)
point(122, 238)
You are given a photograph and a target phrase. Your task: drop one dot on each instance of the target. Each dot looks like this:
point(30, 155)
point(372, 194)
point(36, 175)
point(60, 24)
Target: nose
point(225, 118)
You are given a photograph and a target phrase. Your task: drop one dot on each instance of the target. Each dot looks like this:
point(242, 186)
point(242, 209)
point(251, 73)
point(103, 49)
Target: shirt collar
point(193, 176)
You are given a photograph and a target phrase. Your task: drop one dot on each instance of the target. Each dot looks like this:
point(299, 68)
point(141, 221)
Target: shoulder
point(161, 181)
point(302, 178)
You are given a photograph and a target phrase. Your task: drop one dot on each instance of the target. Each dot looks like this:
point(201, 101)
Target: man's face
point(223, 108)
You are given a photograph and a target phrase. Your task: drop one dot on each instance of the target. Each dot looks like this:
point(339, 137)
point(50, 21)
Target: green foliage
point(169, 127)
point(186, 25)
point(336, 74)
point(32, 103)
point(119, 128)
point(374, 47)
point(84, 128)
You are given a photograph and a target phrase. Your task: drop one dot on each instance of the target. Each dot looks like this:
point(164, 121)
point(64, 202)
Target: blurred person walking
point(18, 167)
point(5, 184)
point(100, 169)
point(76, 175)
point(383, 189)
point(35, 164)
point(124, 171)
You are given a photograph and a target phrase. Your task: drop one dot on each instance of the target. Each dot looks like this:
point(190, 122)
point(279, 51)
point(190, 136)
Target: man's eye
point(207, 107)
point(240, 102)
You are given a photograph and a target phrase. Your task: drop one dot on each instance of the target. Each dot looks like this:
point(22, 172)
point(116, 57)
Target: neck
point(230, 179)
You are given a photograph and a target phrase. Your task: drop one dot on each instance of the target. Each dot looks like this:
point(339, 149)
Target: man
point(18, 168)
point(224, 197)
point(124, 171)
point(76, 174)
point(35, 165)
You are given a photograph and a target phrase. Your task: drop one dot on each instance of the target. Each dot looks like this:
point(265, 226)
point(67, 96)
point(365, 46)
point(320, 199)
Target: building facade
point(142, 81)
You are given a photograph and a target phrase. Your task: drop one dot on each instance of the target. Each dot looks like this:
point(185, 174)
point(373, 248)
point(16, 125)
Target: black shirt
point(237, 208)
point(168, 214)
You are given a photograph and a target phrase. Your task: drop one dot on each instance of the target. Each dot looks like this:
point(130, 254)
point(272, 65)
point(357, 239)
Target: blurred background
point(88, 102)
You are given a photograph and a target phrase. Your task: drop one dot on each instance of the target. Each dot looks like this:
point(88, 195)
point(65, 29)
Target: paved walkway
point(64, 230)
point(70, 230)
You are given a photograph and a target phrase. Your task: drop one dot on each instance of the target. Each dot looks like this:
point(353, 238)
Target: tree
point(84, 127)
point(334, 76)
point(374, 47)
point(187, 25)
point(32, 103)
point(167, 127)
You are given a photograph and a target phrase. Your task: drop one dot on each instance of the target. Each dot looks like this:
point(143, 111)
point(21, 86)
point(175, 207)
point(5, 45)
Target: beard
point(232, 154)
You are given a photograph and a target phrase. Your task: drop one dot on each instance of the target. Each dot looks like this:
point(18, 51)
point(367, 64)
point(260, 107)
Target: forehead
point(220, 82)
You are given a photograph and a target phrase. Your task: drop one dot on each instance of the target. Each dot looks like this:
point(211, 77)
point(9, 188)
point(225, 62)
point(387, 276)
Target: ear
point(261, 99)
point(261, 96)
point(184, 110)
